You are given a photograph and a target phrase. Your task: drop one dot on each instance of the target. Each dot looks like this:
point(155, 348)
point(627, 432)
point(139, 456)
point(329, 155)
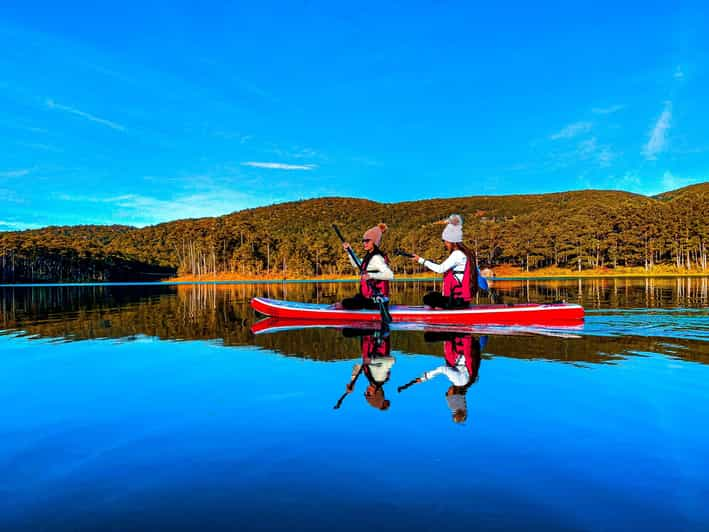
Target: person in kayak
point(376, 365)
point(460, 281)
point(375, 273)
point(462, 354)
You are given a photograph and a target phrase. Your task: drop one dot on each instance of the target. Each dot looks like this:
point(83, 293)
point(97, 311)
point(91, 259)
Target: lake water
point(155, 407)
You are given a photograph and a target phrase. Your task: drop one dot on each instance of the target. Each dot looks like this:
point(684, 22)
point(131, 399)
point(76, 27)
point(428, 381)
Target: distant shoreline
point(503, 273)
point(206, 280)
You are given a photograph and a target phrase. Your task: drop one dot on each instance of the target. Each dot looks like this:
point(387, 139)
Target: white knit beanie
point(453, 232)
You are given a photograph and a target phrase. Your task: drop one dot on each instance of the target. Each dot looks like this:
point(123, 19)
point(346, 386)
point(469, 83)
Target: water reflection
point(462, 355)
point(668, 316)
point(461, 365)
point(375, 366)
point(246, 438)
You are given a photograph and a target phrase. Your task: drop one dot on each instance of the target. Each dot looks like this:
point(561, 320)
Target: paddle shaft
point(353, 380)
point(408, 385)
point(355, 258)
point(402, 253)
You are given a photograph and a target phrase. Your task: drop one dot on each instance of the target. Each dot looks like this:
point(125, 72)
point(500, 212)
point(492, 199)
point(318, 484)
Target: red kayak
point(522, 314)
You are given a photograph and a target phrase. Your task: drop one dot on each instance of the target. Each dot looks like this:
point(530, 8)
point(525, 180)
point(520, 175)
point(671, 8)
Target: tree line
point(572, 230)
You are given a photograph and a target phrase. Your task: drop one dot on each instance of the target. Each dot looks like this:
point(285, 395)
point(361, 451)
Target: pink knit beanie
point(375, 233)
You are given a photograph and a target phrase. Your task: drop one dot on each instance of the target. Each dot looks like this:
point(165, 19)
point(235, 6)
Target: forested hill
point(577, 230)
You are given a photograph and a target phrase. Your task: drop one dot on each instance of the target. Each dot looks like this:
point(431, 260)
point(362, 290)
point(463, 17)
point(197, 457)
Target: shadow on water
point(624, 317)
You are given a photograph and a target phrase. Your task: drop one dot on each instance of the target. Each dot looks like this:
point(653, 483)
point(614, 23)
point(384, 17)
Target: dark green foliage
point(574, 230)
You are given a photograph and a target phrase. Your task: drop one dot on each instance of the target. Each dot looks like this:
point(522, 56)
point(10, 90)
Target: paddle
point(349, 387)
point(402, 253)
point(408, 385)
point(378, 298)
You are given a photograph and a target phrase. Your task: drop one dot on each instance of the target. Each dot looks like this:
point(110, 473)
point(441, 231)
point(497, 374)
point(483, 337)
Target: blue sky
point(144, 112)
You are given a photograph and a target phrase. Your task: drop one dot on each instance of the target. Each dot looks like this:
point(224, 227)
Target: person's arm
point(455, 376)
point(349, 255)
point(446, 265)
point(352, 262)
point(430, 374)
point(379, 270)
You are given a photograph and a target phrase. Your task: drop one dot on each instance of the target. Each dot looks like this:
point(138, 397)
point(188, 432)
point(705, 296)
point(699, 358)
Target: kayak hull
point(275, 325)
point(522, 314)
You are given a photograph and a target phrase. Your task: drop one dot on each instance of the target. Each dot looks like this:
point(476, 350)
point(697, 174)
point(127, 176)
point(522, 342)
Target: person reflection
point(462, 356)
point(376, 366)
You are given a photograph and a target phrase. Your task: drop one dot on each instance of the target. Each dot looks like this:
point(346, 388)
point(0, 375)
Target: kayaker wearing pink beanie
point(460, 281)
point(375, 273)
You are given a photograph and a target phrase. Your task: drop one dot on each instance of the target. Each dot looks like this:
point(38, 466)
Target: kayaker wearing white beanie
point(462, 353)
point(459, 269)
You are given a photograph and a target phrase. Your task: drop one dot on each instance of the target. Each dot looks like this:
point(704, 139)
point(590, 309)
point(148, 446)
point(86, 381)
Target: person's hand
point(355, 370)
point(366, 276)
point(415, 258)
point(346, 245)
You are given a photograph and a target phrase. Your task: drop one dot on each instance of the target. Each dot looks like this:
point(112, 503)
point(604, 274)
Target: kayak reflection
point(375, 366)
point(462, 355)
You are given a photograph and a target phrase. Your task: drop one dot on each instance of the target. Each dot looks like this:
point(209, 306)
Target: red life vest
point(366, 287)
point(375, 347)
point(458, 289)
point(460, 346)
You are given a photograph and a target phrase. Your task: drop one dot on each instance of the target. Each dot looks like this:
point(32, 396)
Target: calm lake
point(155, 407)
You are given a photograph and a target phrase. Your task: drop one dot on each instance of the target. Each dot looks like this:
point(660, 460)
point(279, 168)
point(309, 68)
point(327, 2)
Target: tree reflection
point(221, 313)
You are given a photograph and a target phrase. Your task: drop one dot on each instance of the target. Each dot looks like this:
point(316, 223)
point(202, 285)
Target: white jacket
point(456, 261)
point(377, 268)
point(458, 376)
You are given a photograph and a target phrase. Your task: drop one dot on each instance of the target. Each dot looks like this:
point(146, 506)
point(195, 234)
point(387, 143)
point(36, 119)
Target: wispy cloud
point(673, 182)
point(10, 196)
point(16, 173)
point(280, 166)
point(233, 135)
point(572, 130)
point(607, 110)
point(40, 146)
point(679, 73)
point(658, 136)
point(366, 161)
point(590, 149)
point(606, 156)
point(6, 225)
point(141, 210)
point(629, 181)
point(87, 116)
point(297, 152)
